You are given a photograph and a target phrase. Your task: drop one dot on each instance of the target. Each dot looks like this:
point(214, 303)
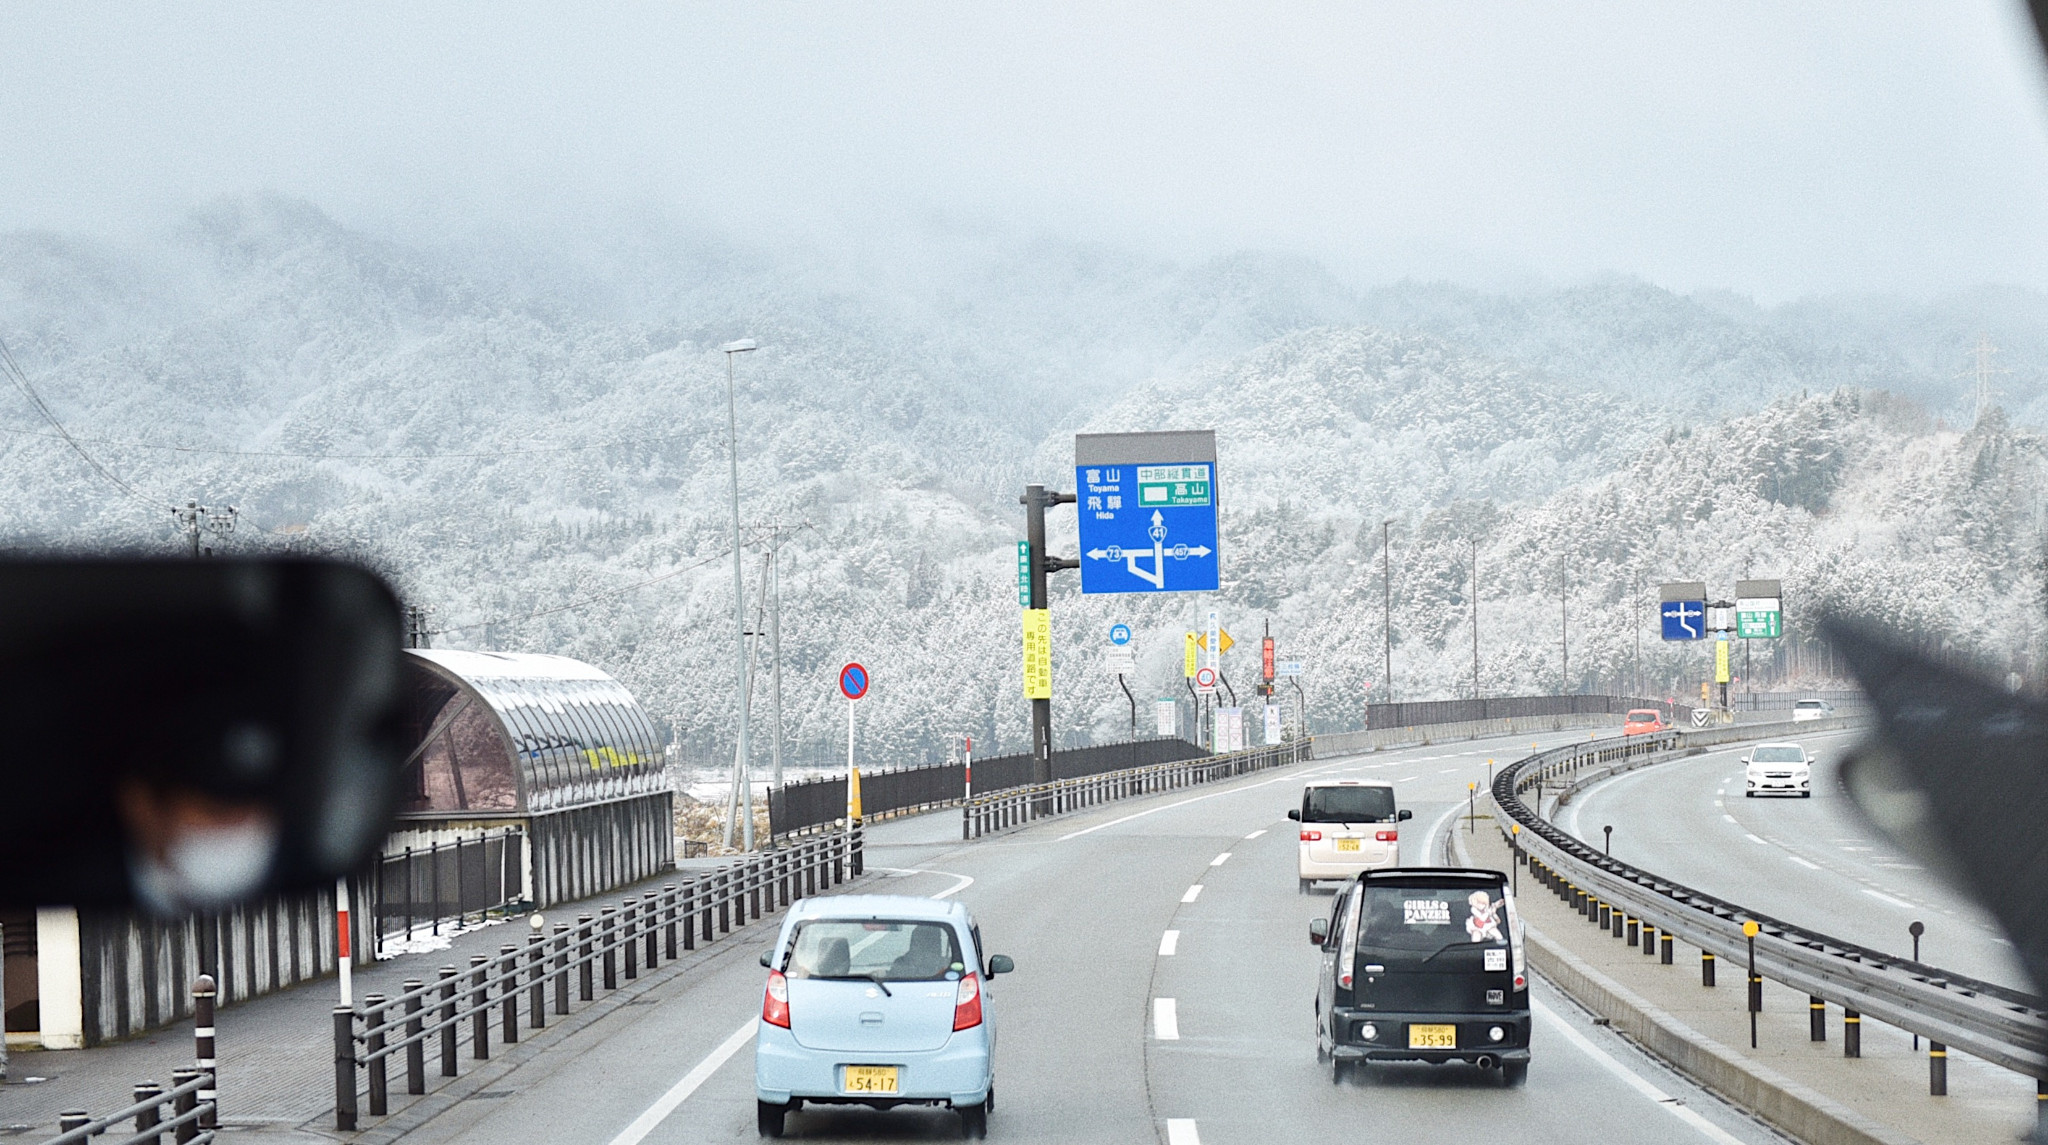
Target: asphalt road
point(1084, 904)
point(1810, 861)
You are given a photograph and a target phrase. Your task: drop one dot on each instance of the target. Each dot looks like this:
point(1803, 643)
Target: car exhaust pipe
point(1486, 1061)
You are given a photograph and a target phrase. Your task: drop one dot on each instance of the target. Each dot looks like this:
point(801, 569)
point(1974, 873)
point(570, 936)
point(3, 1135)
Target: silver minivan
point(1348, 826)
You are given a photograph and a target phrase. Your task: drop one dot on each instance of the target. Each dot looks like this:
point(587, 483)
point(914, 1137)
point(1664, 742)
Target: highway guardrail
point(1016, 806)
point(1999, 1024)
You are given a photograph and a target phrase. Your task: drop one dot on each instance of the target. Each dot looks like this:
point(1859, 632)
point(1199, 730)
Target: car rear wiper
point(875, 978)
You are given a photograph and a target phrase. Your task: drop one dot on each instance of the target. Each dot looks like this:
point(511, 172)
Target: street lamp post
point(743, 794)
point(1387, 604)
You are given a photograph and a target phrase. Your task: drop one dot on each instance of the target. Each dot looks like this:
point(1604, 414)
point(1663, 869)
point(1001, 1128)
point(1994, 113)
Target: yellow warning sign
point(1224, 642)
point(1190, 655)
point(1037, 654)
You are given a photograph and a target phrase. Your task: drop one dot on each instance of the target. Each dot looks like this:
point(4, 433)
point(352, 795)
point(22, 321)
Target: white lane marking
point(1718, 803)
point(1181, 1131)
point(1197, 799)
point(1450, 771)
point(1169, 942)
point(1730, 818)
point(1753, 838)
point(700, 1073)
point(1429, 836)
point(681, 1091)
point(1220, 859)
point(1406, 778)
point(1804, 863)
point(1256, 833)
point(1583, 1044)
point(1165, 1020)
point(1887, 898)
point(1194, 892)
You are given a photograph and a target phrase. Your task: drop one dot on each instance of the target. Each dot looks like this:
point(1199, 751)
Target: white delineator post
point(342, 940)
point(970, 767)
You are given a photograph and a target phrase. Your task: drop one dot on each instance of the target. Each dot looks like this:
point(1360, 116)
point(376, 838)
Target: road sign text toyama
point(1147, 506)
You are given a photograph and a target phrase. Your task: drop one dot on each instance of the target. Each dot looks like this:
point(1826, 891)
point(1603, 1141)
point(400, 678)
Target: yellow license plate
point(1432, 1037)
point(1347, 844)
point(871, 1079)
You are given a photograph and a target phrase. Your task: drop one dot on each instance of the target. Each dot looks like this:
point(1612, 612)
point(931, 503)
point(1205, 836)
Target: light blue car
point(877, 1000)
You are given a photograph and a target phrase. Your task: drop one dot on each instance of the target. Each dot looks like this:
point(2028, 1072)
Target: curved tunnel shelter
point(547, 742)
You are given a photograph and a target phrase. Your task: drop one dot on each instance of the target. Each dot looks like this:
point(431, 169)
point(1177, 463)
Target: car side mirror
point(1404, 814)
point(1294, 815)
point(1000, 964)
point(1319, 931)
point(1745, 761)
point(768, 959)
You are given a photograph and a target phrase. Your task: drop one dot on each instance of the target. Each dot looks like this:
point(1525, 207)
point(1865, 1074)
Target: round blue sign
point(1119, 634)
point(853, 681)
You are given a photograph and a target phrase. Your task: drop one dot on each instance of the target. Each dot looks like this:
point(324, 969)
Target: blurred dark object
point(185, 734)
point(2038, 9)
point(1957, 774)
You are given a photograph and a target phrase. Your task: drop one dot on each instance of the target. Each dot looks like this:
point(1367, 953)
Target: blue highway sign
point(1148, 528)
point(1684, 619)
point(1119, 634)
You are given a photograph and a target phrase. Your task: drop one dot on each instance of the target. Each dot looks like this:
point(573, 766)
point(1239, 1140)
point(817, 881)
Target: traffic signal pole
point(1035, 500)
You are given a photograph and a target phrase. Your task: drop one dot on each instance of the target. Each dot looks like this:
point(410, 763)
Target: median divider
point(1017, 806)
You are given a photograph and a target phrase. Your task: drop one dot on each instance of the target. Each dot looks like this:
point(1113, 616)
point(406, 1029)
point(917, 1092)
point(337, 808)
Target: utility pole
point(1387, 605)
point(417, 635)
point(1983, 372)
point(1564, 631)
point(1474, 542)
point(1636, 613)
point(195, 517)
point(739, 592)
point(1035, 500)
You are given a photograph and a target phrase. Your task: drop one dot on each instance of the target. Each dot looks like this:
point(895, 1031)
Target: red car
point(1643, 720)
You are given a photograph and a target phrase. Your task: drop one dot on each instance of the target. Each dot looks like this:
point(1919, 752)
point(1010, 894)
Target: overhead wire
point(19, 377)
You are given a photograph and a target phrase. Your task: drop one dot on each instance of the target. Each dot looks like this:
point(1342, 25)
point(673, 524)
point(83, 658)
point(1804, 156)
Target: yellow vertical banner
point(1191, 655)
point(853, 793)
point(1037, 654)
point(1720, 661)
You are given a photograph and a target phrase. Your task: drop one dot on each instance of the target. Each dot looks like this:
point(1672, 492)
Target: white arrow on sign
point(1157, 576)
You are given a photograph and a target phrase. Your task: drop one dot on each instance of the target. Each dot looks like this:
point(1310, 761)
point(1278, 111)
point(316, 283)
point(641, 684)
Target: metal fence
point(1997, 1023)
point(597, 948)
point(1424, 712)
point(797, 806)
point(189, 1111)
point(449, 881)
point(998, 811)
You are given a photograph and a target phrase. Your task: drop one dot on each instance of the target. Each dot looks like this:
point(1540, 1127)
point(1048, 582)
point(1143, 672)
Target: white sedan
point(1778, 769)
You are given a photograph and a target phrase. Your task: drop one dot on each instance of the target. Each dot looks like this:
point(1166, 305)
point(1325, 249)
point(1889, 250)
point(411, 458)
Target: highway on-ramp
point(1810, 861)
point(1164, 992)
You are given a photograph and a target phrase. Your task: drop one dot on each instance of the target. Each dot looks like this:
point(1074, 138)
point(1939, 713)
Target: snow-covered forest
point(531, 440)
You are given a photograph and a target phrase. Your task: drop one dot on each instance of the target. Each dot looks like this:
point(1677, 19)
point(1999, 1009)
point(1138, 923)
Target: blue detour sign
point(1147, 508)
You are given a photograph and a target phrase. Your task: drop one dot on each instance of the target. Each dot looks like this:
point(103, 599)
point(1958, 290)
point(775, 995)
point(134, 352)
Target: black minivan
point(1424, 964)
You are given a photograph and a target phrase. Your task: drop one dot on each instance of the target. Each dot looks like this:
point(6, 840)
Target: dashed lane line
point(1256, 833)
point(1804, 863)
point(1165, 1020)
point(1169, 943)
point(1194, 892)
point(1584, 1045)
point(1754, 839)
point(1220, 859)
point(1181, 1131)
point(1886, 898)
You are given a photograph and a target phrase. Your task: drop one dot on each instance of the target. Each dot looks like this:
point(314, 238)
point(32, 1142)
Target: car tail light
point(1311, 836)
point(1387, 836)
point(967, 1004)
point(775, 1004)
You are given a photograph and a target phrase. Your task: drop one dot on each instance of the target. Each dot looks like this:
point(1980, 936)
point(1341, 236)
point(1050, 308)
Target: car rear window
point(1641, 716)
point(1778, 755)
point(1348, 805)
point(1426, 920)
point(897, 951)
point(1807, 704)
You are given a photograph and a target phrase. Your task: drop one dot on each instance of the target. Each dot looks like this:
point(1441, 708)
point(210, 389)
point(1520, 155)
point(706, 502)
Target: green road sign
point(1024, 574)
point(1760, 624)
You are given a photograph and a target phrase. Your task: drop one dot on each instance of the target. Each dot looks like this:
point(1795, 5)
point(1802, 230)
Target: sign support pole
point(1035, 499)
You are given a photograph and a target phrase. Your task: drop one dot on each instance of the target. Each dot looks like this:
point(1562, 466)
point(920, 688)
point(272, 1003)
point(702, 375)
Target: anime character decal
point(1484, 924)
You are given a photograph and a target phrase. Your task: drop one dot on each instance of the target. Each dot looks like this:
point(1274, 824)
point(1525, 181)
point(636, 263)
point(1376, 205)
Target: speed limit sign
point(1205, 680)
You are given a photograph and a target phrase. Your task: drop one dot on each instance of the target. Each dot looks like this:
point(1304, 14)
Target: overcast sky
point(1774, 148)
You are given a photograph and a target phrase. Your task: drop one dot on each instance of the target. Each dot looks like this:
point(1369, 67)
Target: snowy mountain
point(531, 440)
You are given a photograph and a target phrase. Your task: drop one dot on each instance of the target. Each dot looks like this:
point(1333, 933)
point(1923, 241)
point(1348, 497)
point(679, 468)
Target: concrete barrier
point(1337, 744)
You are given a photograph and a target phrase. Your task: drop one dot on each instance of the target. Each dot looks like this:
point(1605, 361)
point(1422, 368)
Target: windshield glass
point(1348, 805)
point(1429, 919)
point(1779, 755)
point(896, 951)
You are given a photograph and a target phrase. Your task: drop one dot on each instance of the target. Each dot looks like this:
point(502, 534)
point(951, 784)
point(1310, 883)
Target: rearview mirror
point(1000, 964)
point(1403, 815)
point(1319, 931)
point(1295, 815)
point(768, 959)
point(227, 729)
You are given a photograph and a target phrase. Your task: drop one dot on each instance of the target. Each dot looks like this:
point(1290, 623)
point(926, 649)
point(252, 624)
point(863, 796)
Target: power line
point(21, 382)
point(285, 453)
